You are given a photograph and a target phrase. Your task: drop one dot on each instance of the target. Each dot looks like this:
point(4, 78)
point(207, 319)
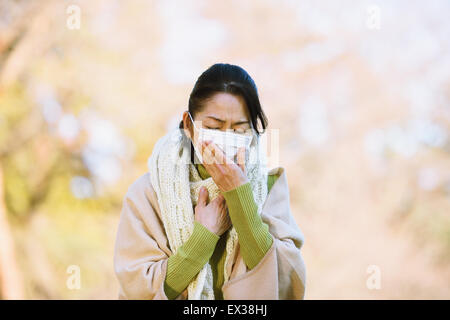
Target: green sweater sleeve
point(254, 236)
point(189, 259)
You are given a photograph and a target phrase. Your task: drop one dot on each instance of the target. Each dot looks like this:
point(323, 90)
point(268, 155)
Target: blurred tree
point(14, 17)
point(22, 24)
point(10, 278)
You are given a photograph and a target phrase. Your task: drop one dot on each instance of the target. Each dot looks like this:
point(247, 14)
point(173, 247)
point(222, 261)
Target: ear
point(187, 126)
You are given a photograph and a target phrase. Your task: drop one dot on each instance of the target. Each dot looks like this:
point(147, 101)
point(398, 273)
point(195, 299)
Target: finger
point(241, 158)
point(213, 163)
point(229, 222)
point(223, 213)
point(208, 161)
point(219, 200)
point(229, 165)
point(202, 197)
point(220, 161)
point(225, 210)
point(217, 153)
point(207, 153)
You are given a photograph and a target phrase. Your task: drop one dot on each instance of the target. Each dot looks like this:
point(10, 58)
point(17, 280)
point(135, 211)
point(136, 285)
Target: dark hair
point(224, 77)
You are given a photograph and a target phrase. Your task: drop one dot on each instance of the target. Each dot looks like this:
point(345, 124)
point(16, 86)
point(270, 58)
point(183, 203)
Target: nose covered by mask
point(228, 142)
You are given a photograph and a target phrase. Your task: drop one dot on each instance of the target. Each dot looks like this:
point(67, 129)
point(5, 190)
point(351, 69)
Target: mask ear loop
point(192, 121)
point(195, 127)
point(192, 138)
point(252, 135)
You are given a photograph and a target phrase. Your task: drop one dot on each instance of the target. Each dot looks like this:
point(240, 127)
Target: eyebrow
point(222, 121)
point(217, 119)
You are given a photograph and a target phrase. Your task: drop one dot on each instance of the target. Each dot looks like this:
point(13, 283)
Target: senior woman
point(209, 220)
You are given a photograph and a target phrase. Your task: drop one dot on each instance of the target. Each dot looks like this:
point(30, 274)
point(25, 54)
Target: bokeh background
point(359, 91)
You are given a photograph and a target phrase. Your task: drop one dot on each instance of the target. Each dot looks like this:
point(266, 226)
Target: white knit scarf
point(177, 182)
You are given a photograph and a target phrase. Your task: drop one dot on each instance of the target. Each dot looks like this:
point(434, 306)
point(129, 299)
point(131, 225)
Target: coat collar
point(277, 206)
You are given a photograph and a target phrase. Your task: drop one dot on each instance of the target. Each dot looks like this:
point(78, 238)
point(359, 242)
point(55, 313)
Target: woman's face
point(221, 112)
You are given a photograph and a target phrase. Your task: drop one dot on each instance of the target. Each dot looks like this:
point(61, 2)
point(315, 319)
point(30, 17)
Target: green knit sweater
point(206, 246)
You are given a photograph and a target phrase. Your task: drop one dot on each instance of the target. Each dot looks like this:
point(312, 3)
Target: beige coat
point(142, 250)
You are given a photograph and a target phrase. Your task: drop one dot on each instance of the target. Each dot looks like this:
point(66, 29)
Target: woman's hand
point(226, 174)
point(214, 215)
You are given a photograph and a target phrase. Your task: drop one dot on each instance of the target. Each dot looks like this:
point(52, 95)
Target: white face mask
point(228, 142)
